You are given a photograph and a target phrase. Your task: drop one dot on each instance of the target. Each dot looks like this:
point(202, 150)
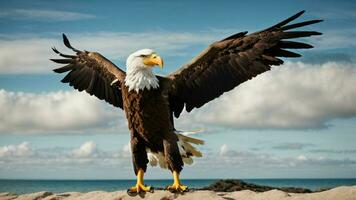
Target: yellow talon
point(177, 186)
point(139, 187)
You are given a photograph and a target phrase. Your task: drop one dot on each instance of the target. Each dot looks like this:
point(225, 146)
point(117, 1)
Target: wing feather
point(229, 62)
point(91, 72)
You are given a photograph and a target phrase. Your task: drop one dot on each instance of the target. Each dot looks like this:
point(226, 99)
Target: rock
point(238, 185)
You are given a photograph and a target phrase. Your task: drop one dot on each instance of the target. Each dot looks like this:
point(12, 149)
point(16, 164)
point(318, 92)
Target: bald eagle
point(151, 102)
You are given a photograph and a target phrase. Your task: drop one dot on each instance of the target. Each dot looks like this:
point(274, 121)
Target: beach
point(339, 193)
point(204, 189)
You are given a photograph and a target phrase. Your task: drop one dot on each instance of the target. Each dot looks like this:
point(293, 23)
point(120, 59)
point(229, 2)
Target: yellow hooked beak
point(153, 60)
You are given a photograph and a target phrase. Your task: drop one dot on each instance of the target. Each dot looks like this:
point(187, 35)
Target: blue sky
point(296, 121)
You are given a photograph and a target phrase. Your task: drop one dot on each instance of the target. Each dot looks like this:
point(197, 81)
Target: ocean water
point(58, 186)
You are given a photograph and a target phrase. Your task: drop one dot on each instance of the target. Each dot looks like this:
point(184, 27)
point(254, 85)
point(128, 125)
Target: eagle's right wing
point(93, 73)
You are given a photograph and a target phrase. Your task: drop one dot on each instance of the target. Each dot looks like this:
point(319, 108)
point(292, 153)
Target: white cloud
point(223, 150)
point(56, 112)
point(334, 151)
point(292, 146)
point(31, 54)
point(25, 55)
point(20, 150)
point(246, 159)
point(293, 96)
point(301, 158)
point(88, 152)
point(85, 150)
point(44, 15)
point(88, 158)
point(127, 149)
point(335, 39)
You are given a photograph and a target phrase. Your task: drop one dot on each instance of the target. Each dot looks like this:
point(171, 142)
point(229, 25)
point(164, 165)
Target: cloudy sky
point(295, 121)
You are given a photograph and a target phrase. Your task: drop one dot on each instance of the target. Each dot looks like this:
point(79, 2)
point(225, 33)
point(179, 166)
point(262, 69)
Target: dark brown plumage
point(148, 116)
point(227, 63)
point(221, 67)
point(91, 72)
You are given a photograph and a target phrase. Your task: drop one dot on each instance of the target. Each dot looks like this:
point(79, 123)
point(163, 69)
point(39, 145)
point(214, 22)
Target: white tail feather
point(190, 139)
point(189, 132)
point(156, 159)
point(186, 149)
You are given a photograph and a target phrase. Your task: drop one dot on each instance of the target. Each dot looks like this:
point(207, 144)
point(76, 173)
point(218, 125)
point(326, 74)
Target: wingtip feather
point(62, 61)
point(55, 50)
point(301, 24)
point(300, 13)
point(67, 43)
point(286, 21)
point(56, 70)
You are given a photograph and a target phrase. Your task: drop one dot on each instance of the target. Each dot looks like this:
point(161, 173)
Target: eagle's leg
point(175, 163)
point(140, 160)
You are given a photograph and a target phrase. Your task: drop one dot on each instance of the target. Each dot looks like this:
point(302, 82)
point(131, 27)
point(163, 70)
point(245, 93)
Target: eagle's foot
point(138, 188)
point(177, 187)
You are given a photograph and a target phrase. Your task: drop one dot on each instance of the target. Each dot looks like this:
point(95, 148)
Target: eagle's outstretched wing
point(227, 63)
point(93, 73)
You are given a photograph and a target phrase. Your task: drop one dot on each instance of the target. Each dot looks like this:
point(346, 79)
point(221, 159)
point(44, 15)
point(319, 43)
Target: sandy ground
point(339, 193)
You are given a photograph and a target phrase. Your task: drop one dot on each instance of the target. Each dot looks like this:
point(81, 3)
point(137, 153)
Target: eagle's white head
point(139, 75)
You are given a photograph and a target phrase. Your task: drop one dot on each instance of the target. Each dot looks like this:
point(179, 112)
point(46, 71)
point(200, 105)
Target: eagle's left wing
point(227, 63)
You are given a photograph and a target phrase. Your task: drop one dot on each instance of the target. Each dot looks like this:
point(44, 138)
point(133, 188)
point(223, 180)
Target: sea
point(60, 186)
